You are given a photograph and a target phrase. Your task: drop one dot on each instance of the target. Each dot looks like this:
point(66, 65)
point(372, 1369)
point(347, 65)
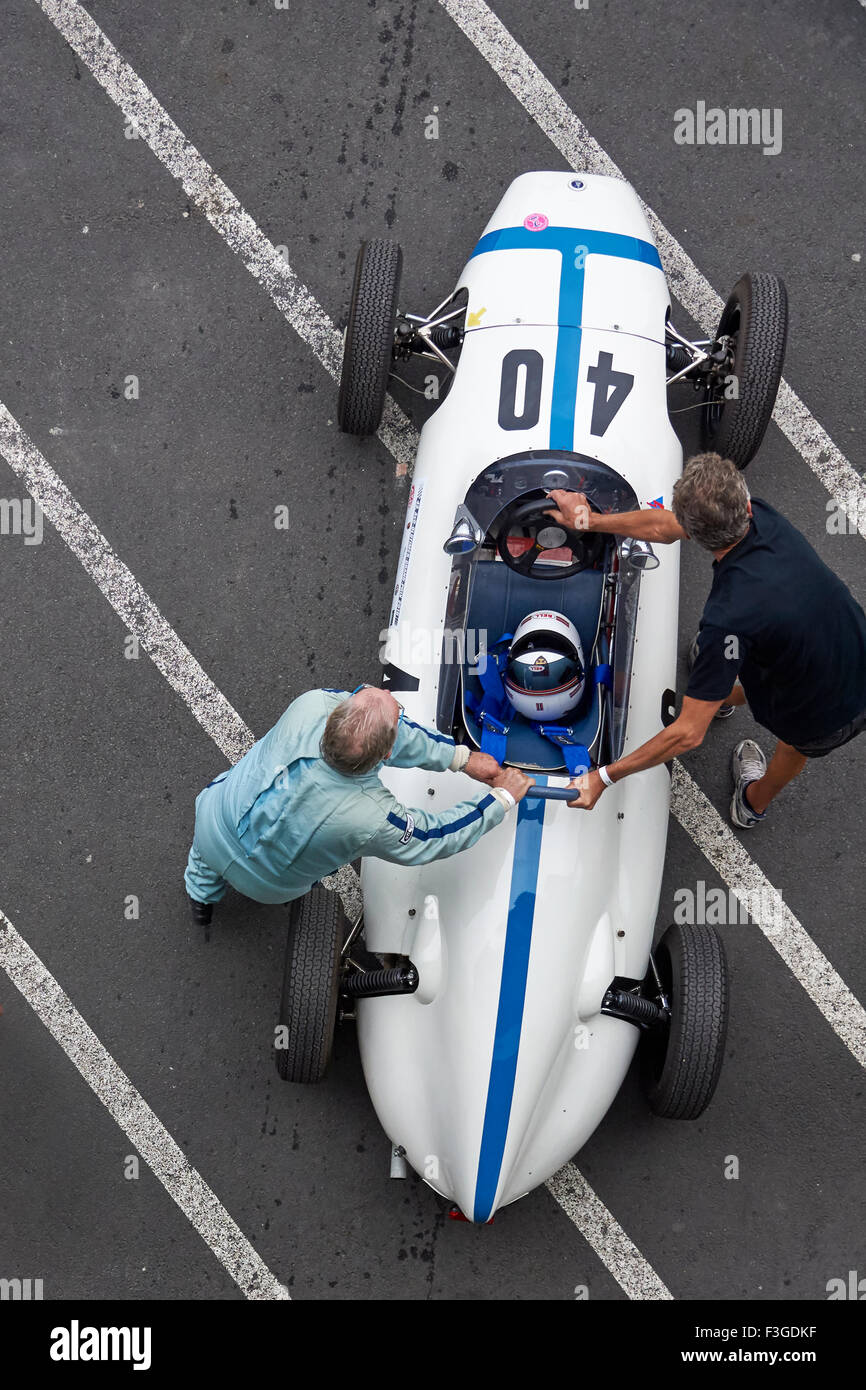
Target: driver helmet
point(544, 676)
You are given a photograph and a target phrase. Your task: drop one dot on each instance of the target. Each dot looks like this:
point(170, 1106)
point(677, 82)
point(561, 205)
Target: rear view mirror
point(639, 555)
point(466, 534)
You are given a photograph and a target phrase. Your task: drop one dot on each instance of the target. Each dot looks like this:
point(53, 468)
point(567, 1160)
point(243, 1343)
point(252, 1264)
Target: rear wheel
point(681, 1063)
point(308, 1009)
point(367, 352)
point(755, 322)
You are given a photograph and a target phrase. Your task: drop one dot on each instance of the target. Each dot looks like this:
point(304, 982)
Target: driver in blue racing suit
point(308, 798)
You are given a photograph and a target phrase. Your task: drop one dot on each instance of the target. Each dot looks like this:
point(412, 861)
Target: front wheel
point(680, 1064)
point(739, 402)
point(367, 351)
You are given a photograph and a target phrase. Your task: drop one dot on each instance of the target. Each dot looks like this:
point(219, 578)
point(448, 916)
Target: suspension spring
point(632, 1007)
point(371, 984)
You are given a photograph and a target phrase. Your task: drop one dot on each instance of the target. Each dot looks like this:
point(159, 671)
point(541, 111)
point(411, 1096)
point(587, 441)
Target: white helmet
point(544, 678)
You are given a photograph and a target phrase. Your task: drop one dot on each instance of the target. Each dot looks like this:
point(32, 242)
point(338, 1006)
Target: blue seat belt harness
point(491, 710)
point(575, 755)
point(494, 705)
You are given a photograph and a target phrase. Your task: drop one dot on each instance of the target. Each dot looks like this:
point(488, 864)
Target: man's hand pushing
point(483, 768)
point(591, 788)
point(514, 781)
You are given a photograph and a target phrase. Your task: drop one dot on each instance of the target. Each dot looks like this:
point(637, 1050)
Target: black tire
point(756, 317)
point(311, 980)
point(369, 337)
point(680, 1066)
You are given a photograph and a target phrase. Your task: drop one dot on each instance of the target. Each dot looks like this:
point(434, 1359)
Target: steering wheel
point(546, 534)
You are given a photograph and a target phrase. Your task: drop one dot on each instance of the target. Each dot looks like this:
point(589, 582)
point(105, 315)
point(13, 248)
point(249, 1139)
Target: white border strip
point(824, 986)
point(566, 131)
point(113, 1087)
point(609, 1241)
point(220, 206)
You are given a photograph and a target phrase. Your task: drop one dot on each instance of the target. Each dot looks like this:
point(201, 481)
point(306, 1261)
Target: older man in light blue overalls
point(291, 812)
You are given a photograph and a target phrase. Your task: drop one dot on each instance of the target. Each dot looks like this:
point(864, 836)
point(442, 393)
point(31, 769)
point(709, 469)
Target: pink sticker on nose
point(535, 222)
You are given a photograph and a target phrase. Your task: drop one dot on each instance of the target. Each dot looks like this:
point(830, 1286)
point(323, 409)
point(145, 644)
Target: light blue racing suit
point(281, 818)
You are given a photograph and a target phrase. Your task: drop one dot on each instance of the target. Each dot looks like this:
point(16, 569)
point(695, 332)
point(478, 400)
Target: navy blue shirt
point(784, 625)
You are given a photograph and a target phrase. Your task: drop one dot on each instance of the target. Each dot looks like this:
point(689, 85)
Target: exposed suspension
point(374, 984)
point(633, 1008)
point(446, 336)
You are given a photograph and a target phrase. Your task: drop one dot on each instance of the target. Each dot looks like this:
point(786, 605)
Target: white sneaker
point(748, 764)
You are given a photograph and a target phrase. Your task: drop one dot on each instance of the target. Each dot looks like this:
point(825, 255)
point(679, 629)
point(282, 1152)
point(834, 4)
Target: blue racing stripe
point(512, 992)
point(574, 244)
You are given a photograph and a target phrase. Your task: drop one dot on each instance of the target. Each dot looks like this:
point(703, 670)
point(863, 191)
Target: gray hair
point(711, 502)
point(358, 735)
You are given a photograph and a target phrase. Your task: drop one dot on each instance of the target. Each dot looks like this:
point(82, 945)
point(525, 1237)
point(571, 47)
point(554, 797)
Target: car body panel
point(501, 1066)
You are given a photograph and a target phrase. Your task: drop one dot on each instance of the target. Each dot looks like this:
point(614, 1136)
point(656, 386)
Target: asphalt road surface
point(315, 116)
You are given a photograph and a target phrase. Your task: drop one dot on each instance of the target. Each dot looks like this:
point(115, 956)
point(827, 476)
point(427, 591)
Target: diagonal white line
point(123, 591)
point(825, 987)
point(220, 206)
point(567, 132)
point(603, 1232)
point(114, 1089)
point(119, 586)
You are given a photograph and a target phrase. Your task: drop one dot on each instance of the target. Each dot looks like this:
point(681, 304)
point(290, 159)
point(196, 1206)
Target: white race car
point(513, 982)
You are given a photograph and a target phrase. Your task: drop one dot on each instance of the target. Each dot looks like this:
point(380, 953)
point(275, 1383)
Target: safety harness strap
point(603, 674)
point(494, 736)
point(494, 705)
point(494, 702)
point(575, 755)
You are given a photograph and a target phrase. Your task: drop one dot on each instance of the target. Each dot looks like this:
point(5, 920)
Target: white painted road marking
point(113, 1087)
point(566, 131)
point(607, 1238)
point(220, 206)
point(123, 591)
point(825, 987)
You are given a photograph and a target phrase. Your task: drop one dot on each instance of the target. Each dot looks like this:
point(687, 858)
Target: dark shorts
point(820, 747)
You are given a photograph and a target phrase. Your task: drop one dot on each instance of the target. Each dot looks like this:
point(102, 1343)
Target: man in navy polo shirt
point(779, 632)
